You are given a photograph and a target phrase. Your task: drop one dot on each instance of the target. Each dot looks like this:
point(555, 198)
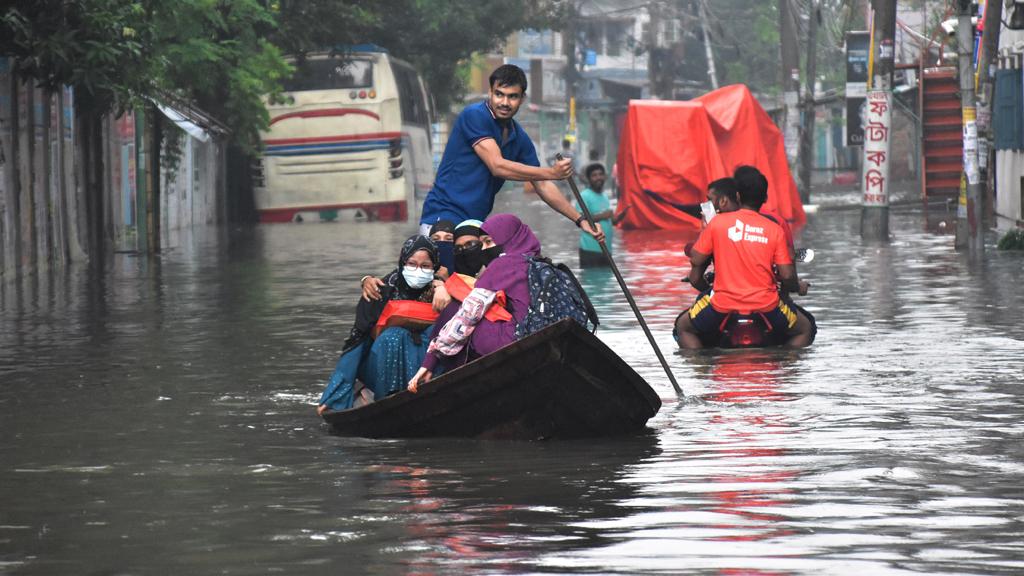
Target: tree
point(433, 35)
point(119, 54)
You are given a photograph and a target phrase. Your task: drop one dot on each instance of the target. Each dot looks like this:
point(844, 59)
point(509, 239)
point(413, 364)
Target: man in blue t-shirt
point(485, 148)
point(601, 211)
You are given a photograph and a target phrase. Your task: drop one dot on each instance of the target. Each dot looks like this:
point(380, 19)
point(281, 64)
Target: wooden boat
point(560, 382)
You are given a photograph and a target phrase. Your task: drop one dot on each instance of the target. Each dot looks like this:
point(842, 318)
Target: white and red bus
point(353, 135)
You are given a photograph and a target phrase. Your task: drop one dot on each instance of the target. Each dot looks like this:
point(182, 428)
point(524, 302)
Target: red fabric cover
point(407, 314)
point(667, 147)
point(675, 149)
point(747, 135)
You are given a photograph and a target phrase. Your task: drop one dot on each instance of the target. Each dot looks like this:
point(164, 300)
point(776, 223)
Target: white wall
point(1009, 163)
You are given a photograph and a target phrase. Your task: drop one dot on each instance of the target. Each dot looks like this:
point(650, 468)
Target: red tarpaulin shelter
point(671, 150)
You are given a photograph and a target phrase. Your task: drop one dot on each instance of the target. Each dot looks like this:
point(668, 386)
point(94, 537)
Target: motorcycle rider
point(745, 245)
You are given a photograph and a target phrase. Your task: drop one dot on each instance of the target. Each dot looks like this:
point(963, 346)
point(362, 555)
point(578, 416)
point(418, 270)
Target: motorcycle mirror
point(805, 255)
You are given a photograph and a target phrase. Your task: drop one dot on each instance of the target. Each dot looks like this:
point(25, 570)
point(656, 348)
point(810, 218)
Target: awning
point(195, 122)
point(184, 123)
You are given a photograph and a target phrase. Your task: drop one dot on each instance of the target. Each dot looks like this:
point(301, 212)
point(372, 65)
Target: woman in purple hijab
point(514, 243)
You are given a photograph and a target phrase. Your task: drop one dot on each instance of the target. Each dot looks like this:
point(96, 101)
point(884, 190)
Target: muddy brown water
point(157, 418)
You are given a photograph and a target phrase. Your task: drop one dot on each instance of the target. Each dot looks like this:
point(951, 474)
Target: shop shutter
point(1008, 115)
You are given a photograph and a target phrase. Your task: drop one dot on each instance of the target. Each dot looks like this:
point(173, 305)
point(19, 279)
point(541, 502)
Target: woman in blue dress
point(386, 363)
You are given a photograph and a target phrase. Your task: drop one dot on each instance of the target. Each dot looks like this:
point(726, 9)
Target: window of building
point(595, 36)
point(615, 36)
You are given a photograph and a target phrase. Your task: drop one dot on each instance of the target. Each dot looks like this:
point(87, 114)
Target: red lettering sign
point(877, 157)
point(876, 132)
point(874, 179)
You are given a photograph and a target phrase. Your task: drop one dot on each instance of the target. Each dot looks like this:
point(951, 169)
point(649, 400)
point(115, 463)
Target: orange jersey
point(745, 245)
point(786, 228)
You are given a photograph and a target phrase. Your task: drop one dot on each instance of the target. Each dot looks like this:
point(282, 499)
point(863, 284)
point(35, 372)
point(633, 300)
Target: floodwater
point(158, 418)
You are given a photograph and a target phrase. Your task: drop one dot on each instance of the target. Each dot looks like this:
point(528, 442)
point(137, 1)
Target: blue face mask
point(417, 278)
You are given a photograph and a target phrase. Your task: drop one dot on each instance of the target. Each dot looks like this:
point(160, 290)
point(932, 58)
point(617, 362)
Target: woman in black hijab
point(386, 363)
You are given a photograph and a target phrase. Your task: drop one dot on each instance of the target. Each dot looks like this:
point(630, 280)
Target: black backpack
point(555, 293)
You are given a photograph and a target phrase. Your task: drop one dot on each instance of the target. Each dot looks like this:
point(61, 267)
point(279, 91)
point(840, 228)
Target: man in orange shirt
point(745, 246)
point(751, 177)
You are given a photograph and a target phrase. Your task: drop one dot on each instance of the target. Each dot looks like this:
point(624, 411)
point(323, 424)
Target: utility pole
point(790, 82)
point(571, 72)
point(654, 56)
point(807, 131)
point(569, 48)
point(874, 215)
point(706, 30)
point(969, 231)
point(986, 76)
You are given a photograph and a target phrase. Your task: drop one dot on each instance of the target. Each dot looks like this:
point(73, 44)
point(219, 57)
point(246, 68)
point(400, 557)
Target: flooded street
point(159, 419)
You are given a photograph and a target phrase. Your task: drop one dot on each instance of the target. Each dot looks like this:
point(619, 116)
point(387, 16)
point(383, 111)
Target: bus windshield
point(330, 74)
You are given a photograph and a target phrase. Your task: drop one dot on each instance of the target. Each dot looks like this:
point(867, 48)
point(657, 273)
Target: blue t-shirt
point(596, 202)
point(464, 188)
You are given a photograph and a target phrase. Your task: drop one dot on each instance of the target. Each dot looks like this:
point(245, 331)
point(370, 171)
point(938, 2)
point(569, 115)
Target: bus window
point(330, 74)
point(410, 96)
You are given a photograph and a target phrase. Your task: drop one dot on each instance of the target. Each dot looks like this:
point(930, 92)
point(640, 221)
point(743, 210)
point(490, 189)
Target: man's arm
point(488, 151)
point(698, 264)
point(553, 197)
point(617, 219)
point(787, 274)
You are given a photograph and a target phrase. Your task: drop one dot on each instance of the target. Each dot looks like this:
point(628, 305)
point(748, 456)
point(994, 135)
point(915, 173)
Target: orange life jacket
point(407, 314)
point(459, 286)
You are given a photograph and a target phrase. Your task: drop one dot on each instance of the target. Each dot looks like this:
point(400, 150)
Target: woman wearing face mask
point(466, 332)
point(385, 363)
point(469, 258)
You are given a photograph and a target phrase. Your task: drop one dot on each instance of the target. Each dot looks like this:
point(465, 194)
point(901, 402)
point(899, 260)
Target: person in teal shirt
point(599, 207)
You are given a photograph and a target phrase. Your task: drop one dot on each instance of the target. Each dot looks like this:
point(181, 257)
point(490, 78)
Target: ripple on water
point(172, 403)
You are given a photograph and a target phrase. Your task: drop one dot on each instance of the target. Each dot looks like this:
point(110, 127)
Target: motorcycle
point(750, 330)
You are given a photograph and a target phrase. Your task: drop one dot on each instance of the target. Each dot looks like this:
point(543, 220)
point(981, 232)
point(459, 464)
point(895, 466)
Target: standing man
point(601, 210)
point(486, 147)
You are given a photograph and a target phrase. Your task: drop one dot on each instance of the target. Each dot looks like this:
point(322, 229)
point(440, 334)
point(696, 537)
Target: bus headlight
point(396, 173)
point(395, 148)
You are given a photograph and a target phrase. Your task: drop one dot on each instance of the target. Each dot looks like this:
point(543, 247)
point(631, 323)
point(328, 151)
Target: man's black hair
point(591, 167)
point(753, 186)
point(725, 187)
point(508, 75)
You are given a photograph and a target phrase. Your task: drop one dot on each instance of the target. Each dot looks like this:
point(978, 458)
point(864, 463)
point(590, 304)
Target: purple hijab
point(507, 272)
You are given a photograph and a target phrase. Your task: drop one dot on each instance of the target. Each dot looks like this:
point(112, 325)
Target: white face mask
point(417, 278)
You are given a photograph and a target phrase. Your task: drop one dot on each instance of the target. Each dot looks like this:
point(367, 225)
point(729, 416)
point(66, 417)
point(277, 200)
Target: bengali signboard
point(877, 124)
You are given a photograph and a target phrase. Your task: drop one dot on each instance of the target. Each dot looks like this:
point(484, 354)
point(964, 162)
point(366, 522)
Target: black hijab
point(395, 288)
point(442, 226)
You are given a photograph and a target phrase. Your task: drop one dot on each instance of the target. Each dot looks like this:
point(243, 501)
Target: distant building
point(1008, 124)
point(612, 53)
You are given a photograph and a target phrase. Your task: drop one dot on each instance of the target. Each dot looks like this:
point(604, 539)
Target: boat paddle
point(622, 282)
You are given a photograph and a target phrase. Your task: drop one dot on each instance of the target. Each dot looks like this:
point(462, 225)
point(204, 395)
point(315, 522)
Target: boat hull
point(561, 382)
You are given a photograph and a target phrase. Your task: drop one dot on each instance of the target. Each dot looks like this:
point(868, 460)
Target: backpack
point(555, 293)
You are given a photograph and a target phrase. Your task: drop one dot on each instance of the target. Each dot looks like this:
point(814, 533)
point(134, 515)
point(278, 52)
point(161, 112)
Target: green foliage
point(433, 35)
point(226, 55)
point(1013, 240)
point(90, 44)
point(121, 53)
point(215, 52)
